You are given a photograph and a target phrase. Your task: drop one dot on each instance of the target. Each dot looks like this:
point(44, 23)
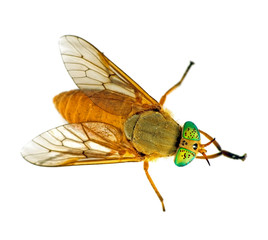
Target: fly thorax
point(153, 132)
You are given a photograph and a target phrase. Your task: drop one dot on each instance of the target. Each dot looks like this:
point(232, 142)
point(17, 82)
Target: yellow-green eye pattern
point(188, 144)
point(184, 157)
point(190, 131)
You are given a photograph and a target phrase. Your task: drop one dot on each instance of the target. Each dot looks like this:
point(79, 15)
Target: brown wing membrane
point(79, 144)
point(101, 80)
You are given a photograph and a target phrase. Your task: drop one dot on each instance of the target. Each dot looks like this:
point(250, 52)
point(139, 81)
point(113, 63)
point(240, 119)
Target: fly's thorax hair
point(153, 133)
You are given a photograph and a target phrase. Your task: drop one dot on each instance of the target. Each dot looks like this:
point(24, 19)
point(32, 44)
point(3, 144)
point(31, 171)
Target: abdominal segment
point(76, 107)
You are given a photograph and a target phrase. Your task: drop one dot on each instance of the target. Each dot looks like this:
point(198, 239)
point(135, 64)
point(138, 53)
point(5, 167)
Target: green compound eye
point(190, 131)
point(184, 157)
point(190, 134)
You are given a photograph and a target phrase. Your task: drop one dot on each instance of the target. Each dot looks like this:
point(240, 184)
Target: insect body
point(153, 133)
point(112, 119)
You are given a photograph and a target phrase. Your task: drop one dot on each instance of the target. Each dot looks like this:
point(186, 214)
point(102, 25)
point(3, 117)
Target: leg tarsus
point(145, 167)
point(233, 156)
point(163, 98)
point(221, 152)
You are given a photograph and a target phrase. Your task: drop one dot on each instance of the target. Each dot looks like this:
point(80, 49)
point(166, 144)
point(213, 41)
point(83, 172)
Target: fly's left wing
point(101, 80)
point(80, 144)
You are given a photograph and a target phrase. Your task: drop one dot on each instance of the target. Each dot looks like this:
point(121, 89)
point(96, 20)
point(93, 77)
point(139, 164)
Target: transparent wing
point(78, 144)
point(93, 72)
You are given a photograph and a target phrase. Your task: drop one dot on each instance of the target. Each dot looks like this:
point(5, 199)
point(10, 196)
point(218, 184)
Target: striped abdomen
point(76, 107)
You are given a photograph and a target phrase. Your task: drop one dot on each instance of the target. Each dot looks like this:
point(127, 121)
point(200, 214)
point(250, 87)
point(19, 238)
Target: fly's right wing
point(80, 144)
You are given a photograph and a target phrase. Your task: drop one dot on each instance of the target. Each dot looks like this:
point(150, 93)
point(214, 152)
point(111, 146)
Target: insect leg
point(145, 167)
point(221, 152)
point(163, 98)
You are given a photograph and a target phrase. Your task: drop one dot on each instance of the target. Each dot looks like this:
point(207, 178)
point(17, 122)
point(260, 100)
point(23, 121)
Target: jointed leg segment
point(221, 152)
point(146, 166)
point(163, 98)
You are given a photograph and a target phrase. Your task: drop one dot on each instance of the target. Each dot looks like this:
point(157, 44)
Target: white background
point(225, 94)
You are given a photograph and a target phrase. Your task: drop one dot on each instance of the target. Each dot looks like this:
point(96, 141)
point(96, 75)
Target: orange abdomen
point(76, 107)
